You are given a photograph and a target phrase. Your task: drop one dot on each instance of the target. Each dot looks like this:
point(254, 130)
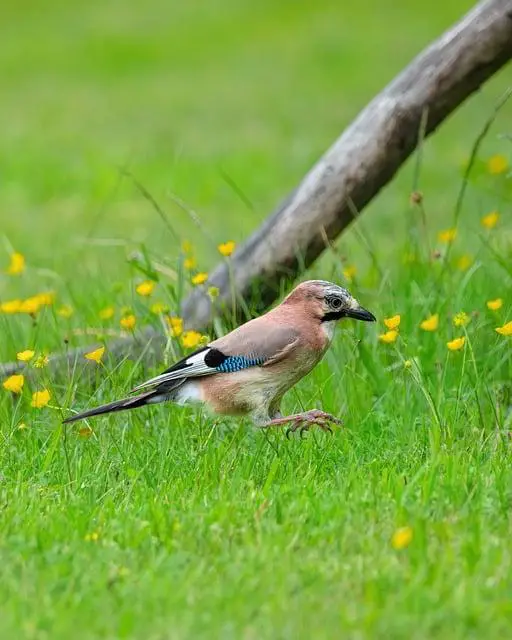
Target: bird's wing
point(254, 344)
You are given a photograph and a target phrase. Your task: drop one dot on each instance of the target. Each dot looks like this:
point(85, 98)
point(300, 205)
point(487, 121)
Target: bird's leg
point(304, 421)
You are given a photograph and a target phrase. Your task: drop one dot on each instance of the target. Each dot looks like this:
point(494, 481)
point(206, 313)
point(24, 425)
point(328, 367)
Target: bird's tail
point(150, 397)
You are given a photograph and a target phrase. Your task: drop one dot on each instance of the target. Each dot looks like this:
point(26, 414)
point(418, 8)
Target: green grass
point(166, 522)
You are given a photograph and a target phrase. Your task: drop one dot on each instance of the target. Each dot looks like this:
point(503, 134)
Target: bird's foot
point(302, 422)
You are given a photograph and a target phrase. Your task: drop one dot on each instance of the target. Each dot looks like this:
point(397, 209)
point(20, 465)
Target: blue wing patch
point(237, 363)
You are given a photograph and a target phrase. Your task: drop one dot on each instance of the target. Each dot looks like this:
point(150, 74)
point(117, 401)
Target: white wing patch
point(191, 367)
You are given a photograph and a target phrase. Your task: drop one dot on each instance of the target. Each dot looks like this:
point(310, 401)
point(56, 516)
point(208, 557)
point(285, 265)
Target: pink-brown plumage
point(247, 371)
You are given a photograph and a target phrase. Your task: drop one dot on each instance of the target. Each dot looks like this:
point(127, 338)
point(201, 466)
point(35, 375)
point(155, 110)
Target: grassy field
point(168, 523)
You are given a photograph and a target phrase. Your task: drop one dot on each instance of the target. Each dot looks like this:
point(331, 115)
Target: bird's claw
point(315, 417)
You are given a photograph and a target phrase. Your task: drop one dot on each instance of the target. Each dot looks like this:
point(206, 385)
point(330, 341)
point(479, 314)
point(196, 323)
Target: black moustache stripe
point(333, 315)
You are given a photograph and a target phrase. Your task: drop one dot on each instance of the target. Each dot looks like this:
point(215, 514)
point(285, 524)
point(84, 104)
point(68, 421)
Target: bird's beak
point(359, 313)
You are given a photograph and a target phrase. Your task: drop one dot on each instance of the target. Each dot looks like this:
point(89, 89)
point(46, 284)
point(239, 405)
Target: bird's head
point(328, 301)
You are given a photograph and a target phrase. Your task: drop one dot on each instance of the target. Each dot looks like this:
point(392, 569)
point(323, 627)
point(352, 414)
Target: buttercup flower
point(16, 265)
point(190, 339)
point(200, 278)
point(40, 399)
point(94, 536)
point(65, 311)
point(190, 263)
point(490, 220)
point(128, 322)
point(14, 383)
point(388, 337)
point(106, 313)
point(505, 330)
point(186, 246)
point(497, 164)
point(393, 322)
point(26, 355)
point(402, 538)
point(349, 273)
point(461, 319)
point(41, 361)
point(95, 355)
point(464, 262)
point(226, 248)
point(145, 288)
point(34, 303)
point(30, 305)
point(159, 307)
point(175, 326)
point(431, 323)
point(213, 293)
point(456, 344)
point(494, 305)
point(447, 235)
point(10, 306)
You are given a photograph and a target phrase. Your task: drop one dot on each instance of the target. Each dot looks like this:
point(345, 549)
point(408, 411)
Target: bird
point(247, 371)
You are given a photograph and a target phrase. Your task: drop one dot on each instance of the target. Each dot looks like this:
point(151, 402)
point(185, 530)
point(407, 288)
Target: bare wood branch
point(363, 160)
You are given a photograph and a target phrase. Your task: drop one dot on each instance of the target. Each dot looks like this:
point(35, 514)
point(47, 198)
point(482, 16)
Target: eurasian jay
point(247, 371)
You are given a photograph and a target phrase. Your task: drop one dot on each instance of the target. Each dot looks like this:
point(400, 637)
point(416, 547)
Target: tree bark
point(363, 159)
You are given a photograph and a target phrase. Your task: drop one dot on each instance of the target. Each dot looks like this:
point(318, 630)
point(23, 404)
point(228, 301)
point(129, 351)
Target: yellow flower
point(34, 303)
point(186, 246)
point(30, 305)
point(14, 383)
point(431, 323)
point(95, 355)
point(41, 361)
point(175, 325)
point(190, 263)
point(65, 311)
point(26, 355)
point(11, 306)
point(145, 288)
point(128, 322)
point(159, 307)
point(505, 330)
point(190, 339)
point(447, 235)
point(461, 319)
point(349, 273)
point(45, 299)
point(464, 262)
point(213, 293)
point(200, 278)
point(494, 305)
point(40, 399)
point(497, 164)
point(226, 248)
point(393, 322)
point(106, 313)
point(490, 220)
point(456, 344)
point(94, 536)
point(85, 432)
point(17, 264)
point(388, 337)
point(402, 538)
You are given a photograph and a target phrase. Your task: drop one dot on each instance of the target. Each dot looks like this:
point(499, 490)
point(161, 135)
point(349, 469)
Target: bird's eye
point(336, 303)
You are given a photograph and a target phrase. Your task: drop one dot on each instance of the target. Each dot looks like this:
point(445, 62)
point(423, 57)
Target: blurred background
point(223, 104)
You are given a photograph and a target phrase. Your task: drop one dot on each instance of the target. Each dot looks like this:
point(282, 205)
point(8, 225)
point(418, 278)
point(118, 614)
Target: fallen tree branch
point(352, 171)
